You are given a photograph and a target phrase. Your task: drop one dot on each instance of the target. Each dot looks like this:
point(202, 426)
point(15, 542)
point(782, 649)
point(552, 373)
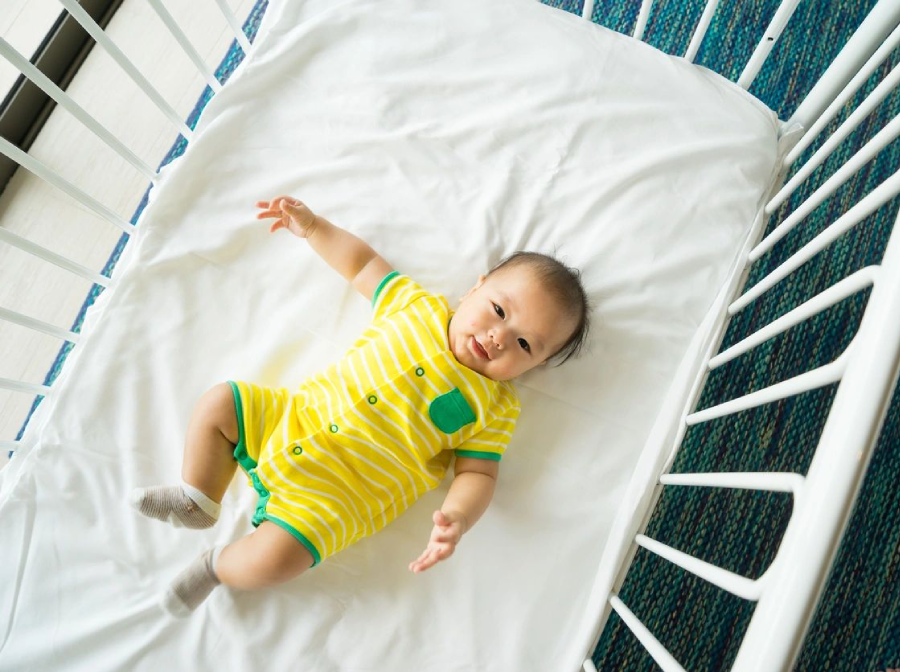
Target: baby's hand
point(448, 530)
point(291, 214)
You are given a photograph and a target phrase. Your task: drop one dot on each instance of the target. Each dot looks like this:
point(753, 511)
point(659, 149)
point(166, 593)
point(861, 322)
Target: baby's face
point(507, 324)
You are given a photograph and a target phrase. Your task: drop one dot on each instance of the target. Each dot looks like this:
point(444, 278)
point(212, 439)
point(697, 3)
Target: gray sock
point(181, 505)
point(192, 586)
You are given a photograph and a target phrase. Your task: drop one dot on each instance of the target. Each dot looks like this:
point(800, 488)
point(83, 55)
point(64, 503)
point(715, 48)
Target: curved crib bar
point(35, 76)
point(801, 566)
point(866, 372)
point(786, 594)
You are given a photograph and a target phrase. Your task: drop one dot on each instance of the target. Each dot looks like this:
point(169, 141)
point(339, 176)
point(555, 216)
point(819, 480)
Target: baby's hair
point(564, 283)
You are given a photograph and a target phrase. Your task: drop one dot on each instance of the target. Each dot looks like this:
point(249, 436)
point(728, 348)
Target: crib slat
point(868, 151)
point(587, 10)
point(833, 480)
point(874, 200)
point(764, 47)
point(852, 87)
point(700, 31)
point(42, 171)
point(38, 325)
point(848, 126)
point(65, 101)
point(659, 653)
point(643, 16)
point(56, 259)
point(95, 31)
point(875, 28)
point(185, 43)
point(837, 292)
point(235, 25)
point(811, 380)
point(27, 388)
point(768, 481)
point(730, 582)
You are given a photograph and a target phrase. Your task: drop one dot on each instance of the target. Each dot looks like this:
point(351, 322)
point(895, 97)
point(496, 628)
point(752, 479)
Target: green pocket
point(451, 412)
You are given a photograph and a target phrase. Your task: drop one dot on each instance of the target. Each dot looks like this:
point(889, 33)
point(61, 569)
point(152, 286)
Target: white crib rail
point(868, 369)
point(866, 372)
point(786, 594)
point(52, 177)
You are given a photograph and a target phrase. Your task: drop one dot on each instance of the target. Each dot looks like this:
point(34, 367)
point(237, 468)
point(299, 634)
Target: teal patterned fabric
point(857, 624)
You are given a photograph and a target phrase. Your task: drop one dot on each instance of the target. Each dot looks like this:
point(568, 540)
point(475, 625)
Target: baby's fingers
point(421, 565)
point(279, 202)
point(444, 535)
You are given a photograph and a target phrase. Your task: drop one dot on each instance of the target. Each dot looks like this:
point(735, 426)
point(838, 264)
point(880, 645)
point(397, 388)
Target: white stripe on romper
point(301, 492)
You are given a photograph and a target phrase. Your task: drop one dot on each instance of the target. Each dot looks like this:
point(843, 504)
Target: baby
point(357, 444)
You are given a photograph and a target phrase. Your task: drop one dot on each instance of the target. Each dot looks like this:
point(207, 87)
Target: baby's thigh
point(267, 557)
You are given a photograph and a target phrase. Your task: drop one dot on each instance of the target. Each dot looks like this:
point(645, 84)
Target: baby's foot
point(192, 586)
point(172, 504)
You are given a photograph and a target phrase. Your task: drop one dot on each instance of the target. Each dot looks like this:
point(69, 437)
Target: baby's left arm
point(468, 498)
point(349, 255)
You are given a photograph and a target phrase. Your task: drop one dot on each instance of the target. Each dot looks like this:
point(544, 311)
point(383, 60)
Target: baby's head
point(528, 309)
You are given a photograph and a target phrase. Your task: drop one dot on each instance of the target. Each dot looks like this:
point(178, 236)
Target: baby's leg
point(265, 558)
point(209, 462)
point(207, 468)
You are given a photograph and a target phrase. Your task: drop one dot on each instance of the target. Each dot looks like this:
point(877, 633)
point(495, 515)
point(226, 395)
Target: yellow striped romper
point(358, 443)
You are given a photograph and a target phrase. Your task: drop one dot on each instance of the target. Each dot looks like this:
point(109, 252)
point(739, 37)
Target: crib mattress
point(447, 135)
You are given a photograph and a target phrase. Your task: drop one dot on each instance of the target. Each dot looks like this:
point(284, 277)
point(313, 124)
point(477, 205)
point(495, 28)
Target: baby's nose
point(498, 336)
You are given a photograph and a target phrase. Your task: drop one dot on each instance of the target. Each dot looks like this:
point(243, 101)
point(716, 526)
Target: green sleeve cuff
point(386, 279)
point(478, 454)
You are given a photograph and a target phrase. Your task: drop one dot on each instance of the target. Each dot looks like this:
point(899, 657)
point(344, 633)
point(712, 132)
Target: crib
point(799, 334)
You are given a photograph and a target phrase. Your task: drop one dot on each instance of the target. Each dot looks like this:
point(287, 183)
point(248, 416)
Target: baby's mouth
point(477, 349)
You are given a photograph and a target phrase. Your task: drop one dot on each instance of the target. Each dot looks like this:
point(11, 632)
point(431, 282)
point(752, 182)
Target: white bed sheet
point(447, 135)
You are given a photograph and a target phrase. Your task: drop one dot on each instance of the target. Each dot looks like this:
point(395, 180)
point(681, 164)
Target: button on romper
point(361, 441)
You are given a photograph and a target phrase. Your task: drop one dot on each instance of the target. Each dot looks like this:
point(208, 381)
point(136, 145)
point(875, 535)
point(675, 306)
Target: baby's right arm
point(348, 255)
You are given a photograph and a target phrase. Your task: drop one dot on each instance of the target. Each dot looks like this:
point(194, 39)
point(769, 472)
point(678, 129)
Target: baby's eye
point(524, 344)
point(499, 311)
